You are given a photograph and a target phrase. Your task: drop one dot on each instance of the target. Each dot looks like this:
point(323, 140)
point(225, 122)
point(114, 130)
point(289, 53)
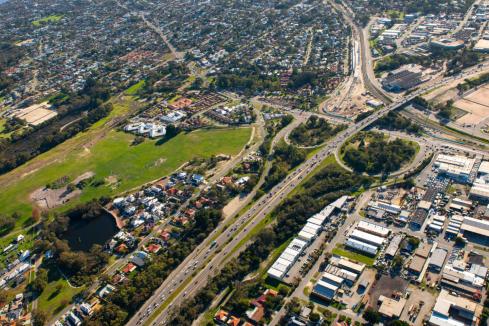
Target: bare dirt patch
point(36, 114)
point(477, 106)
point(387, 286)
point(49, 198)
point(233, 206)
point(160, 161)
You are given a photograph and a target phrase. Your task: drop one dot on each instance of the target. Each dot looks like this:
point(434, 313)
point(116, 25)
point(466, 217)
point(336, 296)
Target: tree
point(36, 214)
point(39, 318)
point(397, 323)
point(3, 296)
point(39, 284)
point(314, 317)
point(459, 242)
point(371, 315)
point(397, 262)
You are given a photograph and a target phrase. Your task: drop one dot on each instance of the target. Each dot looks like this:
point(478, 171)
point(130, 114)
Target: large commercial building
point(456, 167)
point(437, 259)
point(403, 78)
point(290, 255)
point(367, 238)
point(447, 44)
point(389, 208)
point(453, 310)
point(339, 272)
point(327, 286)
point(480, 187)
point(373, 228)
point(475, 230)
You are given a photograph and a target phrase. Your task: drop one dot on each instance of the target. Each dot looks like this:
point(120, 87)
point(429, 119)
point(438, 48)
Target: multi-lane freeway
point(226, 242)
point(205, 261)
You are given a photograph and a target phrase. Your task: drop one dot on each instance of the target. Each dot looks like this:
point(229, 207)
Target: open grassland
point(134, 89)
point(46, 20)
point(122, 165)
point(340, 250)
point(57, 294)
point(110, 156)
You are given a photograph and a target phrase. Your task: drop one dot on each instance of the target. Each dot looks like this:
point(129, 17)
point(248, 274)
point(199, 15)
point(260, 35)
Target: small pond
point(82, 234)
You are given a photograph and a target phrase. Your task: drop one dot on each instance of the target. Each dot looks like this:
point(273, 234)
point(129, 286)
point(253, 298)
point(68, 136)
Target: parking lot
point(299, 268)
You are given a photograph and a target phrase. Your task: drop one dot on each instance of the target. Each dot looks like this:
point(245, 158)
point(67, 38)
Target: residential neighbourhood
point(284, 162)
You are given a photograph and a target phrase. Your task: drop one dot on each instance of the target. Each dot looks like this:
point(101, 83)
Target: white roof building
point(450, 310)
point(455, 166)
point(361, 246)
point(367, 238)
point(373, 228)
point(287, 259)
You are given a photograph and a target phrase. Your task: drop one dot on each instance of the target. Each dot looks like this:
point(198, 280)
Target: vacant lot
point(114, 158)
point(477, 106)
point(387, 286)
point(46, 20)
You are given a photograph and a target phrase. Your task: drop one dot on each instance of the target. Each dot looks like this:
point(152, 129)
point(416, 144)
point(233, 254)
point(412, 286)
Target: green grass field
point(52, 300)
point(340, 250)
point(134, 89)
point(48, 19)
point(130, 166)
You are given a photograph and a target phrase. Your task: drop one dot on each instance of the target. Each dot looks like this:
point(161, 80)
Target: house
point(221, 317)
point(197, 179)
point(108, 289)
point(256, 314)
point(153, 248)
point(233, 321)
point(129, 268)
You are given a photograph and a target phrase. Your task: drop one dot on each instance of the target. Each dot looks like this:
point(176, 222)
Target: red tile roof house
point(190, 213)
point(165, 235)
point(221, 317)
point(129, 268)
point(122, 249)
point(233, 321)
point(153, 248)
point(257, 313)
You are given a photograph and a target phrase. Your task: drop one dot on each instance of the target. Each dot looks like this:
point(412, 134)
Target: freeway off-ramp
point(197, 268)
point(195, 271)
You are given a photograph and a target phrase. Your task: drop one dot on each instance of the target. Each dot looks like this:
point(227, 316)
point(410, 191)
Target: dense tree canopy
point(369, 152)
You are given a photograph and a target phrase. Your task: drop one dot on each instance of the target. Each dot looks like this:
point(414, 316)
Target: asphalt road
point(204, 262)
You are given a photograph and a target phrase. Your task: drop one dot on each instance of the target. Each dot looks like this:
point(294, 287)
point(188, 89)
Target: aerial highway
point(226, 242)
point(222, 244)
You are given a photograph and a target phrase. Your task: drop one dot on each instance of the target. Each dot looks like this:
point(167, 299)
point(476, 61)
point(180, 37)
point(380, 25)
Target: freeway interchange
point(224, 243)
point(227, 242)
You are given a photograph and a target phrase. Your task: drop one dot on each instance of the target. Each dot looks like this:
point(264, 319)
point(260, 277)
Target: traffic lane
point(232, 244)
point(203, 275)
point(312, 161)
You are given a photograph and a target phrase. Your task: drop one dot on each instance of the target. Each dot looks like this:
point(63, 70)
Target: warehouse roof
point(417, 264)
point(373, 228)
point(394, 245)
point(390, 307)
point(361, 246)
point(438, 258)
point(367, 238)
point(474, 225)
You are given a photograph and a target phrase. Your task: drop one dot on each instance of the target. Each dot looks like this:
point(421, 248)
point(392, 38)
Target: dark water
point(83, 234)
